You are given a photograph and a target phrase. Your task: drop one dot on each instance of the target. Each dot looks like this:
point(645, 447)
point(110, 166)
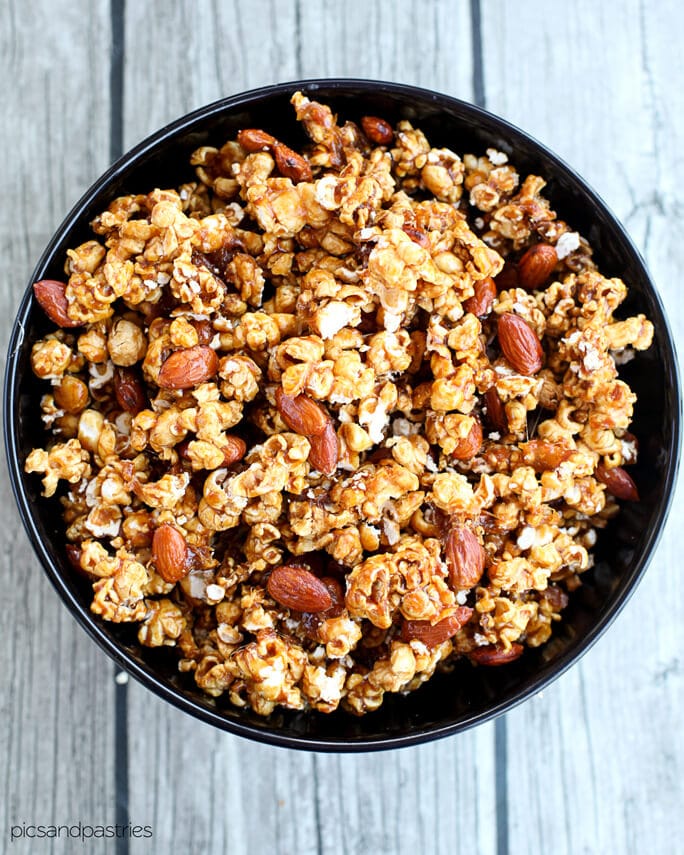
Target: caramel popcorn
point(326, 421)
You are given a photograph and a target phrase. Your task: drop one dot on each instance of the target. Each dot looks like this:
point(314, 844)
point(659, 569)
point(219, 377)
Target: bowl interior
point(467, 695)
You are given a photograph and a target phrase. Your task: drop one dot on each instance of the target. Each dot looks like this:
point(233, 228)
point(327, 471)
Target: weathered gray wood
point(214, 786)
point(593, 766)
point(597, 764)
point(56, 687)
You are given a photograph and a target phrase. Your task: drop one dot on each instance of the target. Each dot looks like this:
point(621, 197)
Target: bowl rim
point(143, 673)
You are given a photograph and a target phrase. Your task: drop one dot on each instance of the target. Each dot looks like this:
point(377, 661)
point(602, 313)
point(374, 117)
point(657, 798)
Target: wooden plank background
point(595, 765)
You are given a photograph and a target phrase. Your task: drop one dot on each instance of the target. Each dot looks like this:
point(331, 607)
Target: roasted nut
point(543, 455)
point(188, 367)
point(170, 553)
point(295, 587)
point(465, 558)
point(324, 452)
point(480, 304)
point(234, 449)
point(377, 130)
point(470, 446)
point(492, 655)
point(290, 164)
point(433, 634)
point(129, 391)
point(253, 139)
point(618, 482)
point(302, 414)
point(536, 265)
point(494, 411)
point(71, 394)
point(508, 278)
point(51, 295)
point(520, 344)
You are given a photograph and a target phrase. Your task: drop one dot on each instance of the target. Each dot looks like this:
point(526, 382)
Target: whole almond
point(480, 304)
point(291, 165)
point(234, 449)
point(465, 558)
point(188, 367)
point(519, 344)
point(253, 139)
point(493, 655)
point(51, 295)
point(494, 411)
point(302, 414)
point(129, 391)
point(324, 452)
point(433, 634)
point(295, 587)
point(377, 130)
point(543, 455)
point(170, 553)
point(617, 482)
point(536, 265)
point(469, 447)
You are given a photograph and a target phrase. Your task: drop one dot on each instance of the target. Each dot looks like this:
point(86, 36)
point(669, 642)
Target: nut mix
point(329, 420)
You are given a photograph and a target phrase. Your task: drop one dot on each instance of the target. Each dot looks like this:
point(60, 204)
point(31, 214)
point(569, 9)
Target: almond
point(170, 553)
point(519, 344)
point(617, 482)
point(469, 447)
point(295, 587)
point(480, 304)
point(129, 391)
point(324, 452)
point(377, 130)
point(493, 655)
point(188, 367)
point(291, 165)
point(508, 278)
point(51, 296)
point(495, 411)
point(543, 455)
point(73, 552)
point(234, 449)
point(302, 414)
point(536, 265)
point(252, 139)
point(433, 634)
point(465, 558)
point(205, 331)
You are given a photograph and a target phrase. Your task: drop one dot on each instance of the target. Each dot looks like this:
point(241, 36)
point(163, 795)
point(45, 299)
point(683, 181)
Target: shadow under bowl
point(467, 696)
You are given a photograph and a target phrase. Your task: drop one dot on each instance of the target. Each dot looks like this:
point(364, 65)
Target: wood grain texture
point(606, 737)
point(255, 798)
point(595, 765)
point(56, 687)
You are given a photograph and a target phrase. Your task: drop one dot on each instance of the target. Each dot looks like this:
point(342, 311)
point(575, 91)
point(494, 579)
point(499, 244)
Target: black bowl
point(466, 696)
